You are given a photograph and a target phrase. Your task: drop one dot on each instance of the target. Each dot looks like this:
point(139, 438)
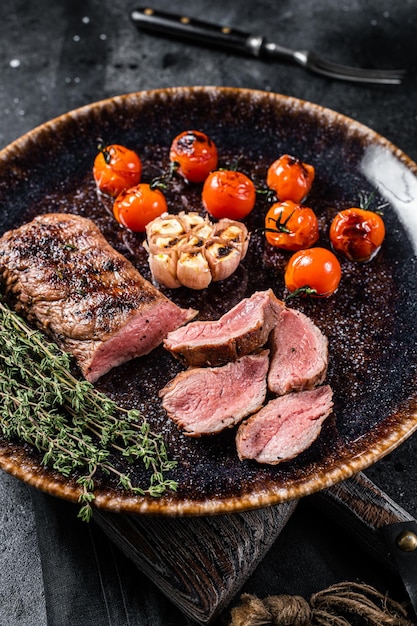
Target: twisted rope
point(329, 607)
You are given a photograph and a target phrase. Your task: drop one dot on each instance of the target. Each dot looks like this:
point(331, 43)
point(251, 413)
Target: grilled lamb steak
point(60, 273)
point(284, 427)
point(206, 400)
point(242, 330)
point(299, 354)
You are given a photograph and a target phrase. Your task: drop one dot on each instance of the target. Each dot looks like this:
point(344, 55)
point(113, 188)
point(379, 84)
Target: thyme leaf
point(73, 425)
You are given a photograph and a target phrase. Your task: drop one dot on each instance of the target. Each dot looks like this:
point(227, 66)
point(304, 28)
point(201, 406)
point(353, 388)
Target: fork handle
point(198, 31)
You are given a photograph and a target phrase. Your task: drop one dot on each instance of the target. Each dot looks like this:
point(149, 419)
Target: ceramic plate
point(370, 322)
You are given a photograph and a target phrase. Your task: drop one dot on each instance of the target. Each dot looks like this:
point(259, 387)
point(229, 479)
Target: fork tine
point(317, 64)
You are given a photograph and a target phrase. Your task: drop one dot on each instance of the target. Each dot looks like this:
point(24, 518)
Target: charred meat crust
point(240, 331)
point(60, 273)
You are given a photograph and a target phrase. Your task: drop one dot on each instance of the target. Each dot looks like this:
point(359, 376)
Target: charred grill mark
point(186, 142)
point(65, 260)
point(223, 251)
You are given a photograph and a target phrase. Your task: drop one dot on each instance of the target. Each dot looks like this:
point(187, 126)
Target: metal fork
point(198, 31)
point(318, 65)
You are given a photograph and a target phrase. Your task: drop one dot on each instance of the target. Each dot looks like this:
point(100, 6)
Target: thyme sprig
point(366, 200)
point(73, 425)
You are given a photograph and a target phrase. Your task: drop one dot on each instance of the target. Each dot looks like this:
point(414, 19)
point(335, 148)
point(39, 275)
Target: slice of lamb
point(60, 273)
point(284, 427)
point(206, 400)
point(299, 354)
point(242, 330)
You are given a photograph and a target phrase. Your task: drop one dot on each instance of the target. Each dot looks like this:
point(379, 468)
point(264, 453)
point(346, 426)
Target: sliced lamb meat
point(299, 354)
point(61, 274)
point(284, 427)
point(240, 331)
point(206, 400)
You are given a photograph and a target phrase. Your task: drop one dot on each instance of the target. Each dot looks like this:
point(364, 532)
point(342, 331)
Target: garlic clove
point(165, 224)
point(163, 232)
point(193, 270)
point(223, 259)
point(234, 233)
point(192, 220)
point(198, 237)
point(158, 243)
point(205, 231)
point(163, 266)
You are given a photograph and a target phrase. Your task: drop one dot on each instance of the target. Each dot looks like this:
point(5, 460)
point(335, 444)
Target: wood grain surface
point(199, 563)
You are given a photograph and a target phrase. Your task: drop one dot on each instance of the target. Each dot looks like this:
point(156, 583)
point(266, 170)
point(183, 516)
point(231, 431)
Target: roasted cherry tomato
point(116, 168)
point(291, 226)
point(314, 272)
point(228, 193)
point(357, 233)
point(290, 178)
point(196, 155)
point(134, 208)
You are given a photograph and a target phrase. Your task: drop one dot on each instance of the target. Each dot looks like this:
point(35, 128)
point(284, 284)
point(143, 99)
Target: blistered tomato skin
point(228, 193)
point(291, 226)
point(290, 178)
point(357, 234)
point(316, 272)
point(116, 168)
point(195, 155)
point(134, 208)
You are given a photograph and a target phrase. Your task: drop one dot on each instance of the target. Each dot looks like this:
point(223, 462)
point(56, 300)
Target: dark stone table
point(56, 56)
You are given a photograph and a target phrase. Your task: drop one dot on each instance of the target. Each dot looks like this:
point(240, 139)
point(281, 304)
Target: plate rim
point(44, 479)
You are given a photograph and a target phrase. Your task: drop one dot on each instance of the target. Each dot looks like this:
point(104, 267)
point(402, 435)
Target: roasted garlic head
point(188, 250)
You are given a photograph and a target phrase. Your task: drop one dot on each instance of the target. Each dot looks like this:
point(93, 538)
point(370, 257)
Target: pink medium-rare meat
point(285, 427)
point(299, 354)
point(61, 274)
point(242, 330)
point(206, 400)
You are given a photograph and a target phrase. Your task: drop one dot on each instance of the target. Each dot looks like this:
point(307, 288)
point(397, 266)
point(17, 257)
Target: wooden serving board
point(199, 563)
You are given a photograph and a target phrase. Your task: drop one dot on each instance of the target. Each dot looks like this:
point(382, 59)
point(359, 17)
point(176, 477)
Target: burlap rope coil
point(329, 607)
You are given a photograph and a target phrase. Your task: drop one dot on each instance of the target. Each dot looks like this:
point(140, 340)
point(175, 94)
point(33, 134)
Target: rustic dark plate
point(370, 322)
